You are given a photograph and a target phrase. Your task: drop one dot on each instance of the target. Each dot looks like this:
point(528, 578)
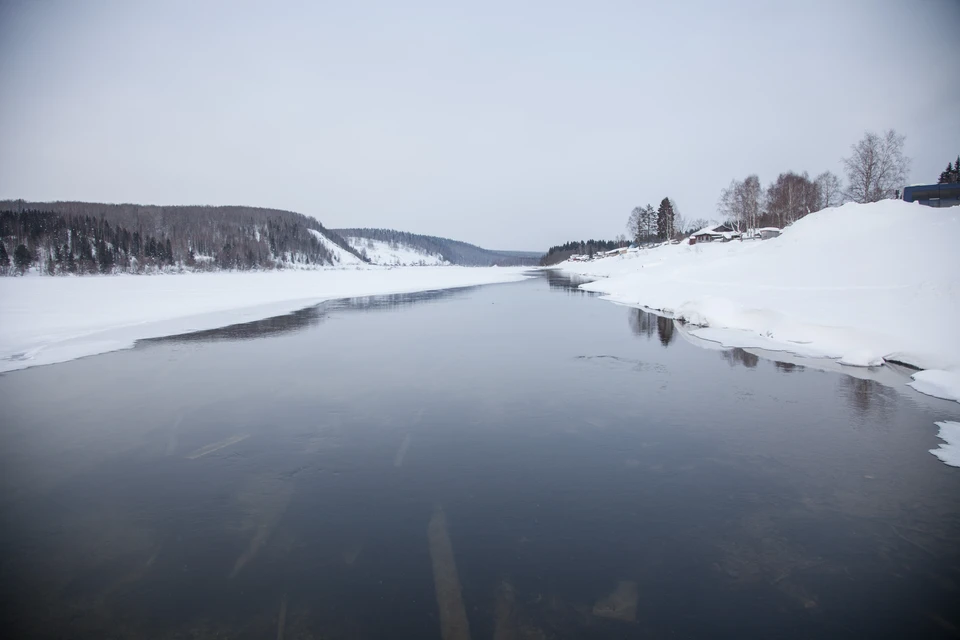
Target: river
point(510, 461)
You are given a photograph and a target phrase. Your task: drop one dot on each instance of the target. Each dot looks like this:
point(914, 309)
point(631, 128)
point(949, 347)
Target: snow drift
point(861, 283)
point(949, 451)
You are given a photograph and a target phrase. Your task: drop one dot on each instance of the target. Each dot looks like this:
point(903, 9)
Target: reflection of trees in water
point(643, 323)
point(787, 367)
point(393, 301)
point(251, 330)
point(311, 316)
point(569, 283)
point(739, 356)
point(665, 330)
point(863, 395)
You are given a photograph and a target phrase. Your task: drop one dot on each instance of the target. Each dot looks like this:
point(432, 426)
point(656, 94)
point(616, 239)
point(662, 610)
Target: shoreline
point(52, 320)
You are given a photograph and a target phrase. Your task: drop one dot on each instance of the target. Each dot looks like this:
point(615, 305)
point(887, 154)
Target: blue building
point(934, 195)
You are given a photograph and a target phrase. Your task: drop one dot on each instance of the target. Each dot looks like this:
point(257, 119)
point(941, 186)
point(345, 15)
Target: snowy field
point(44, 320)
point(395, 254)
point(858, 283)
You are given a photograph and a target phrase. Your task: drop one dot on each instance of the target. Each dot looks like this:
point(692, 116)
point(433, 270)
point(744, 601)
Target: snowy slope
point(48, 320)
point(341, 258)
point(387, 253)
point(861, 283)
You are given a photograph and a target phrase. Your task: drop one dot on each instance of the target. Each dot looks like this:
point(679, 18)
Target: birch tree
point(829, 190)
point(790, 197)
point(876, 167)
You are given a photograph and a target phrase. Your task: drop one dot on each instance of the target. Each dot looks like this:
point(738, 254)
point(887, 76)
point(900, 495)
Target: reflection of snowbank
point(892, 375)
point(48, 320)
point(858, 283)
point(949, 451)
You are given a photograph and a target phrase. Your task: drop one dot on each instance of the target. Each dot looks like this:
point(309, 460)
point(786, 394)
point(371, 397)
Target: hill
point(89, 237)
point(413, 248)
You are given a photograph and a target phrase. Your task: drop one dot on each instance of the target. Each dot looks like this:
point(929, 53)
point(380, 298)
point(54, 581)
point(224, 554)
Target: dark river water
point(513, 461)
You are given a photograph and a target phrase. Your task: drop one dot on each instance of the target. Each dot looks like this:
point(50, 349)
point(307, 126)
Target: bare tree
point(679, 222)
point(727, 205)
point(740, 202)
point(636, 224)
point(791, 197)
point(750, 195)
point(829, 190)
point(876, 167)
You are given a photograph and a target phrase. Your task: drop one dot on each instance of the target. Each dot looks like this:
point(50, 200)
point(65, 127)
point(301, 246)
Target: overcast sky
point(512, 125)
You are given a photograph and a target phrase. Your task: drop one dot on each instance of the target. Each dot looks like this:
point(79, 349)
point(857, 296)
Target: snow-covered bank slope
point(859, 282)
point(48, 320)
point(395, 253)
point(341, 257)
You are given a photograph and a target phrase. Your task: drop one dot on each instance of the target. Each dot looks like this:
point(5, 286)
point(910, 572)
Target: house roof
point(713, 229)
point(706, 231)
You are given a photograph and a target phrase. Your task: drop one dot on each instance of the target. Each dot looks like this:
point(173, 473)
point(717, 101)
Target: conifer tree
point(945, 176)
point(22, 258)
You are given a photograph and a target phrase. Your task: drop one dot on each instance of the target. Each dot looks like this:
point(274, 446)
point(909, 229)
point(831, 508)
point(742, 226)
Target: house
point(715, 233)
point(933, 195)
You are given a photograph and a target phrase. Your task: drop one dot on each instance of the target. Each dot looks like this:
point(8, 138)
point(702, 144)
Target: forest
point(86, 238)
point(453, 251)
point(558, 253)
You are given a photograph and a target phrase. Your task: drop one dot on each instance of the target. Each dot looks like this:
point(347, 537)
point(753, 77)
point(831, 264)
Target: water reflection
point(583, 494)
point(739, 356)
point(787, 367)
point(296, 321)
point(395, 301)
point(864, 394)
point(643, 323)
point(567, 282)
point(665, 330)
point(308, 317)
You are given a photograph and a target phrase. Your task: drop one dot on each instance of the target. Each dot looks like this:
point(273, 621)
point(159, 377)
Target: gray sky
point(511, 125)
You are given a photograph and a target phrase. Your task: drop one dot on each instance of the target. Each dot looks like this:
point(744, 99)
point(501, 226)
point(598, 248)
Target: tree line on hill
point(453, 251)
point(561, 252)
point(85, 238)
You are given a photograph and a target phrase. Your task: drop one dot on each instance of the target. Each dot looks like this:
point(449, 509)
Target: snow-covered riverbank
point(44, 320)
point(860, 283)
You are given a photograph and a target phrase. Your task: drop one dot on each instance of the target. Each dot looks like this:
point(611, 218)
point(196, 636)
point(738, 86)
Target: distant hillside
point(438, 250)
point(394, 253)
point(87, 237)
